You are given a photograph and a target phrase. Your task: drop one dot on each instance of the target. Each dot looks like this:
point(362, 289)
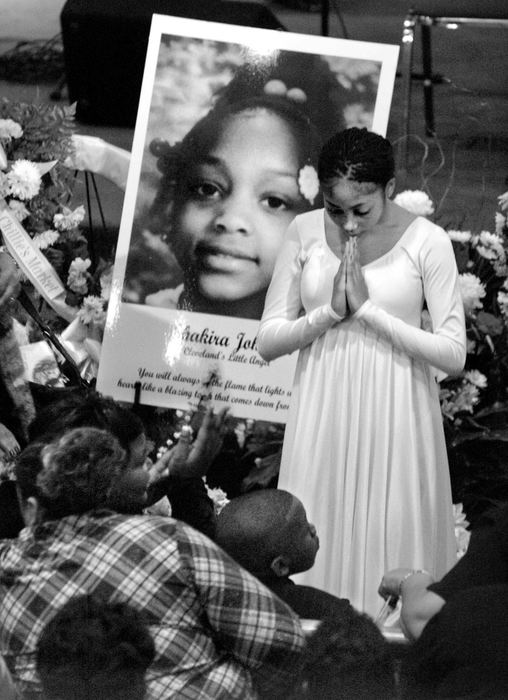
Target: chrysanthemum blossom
point(46, 239)
point(24, 179)
point(9, 129)
point(459, 236)
point(500, 222)
point(415, 201)
point(472, 291)
point(308, 183)
point(489, 246)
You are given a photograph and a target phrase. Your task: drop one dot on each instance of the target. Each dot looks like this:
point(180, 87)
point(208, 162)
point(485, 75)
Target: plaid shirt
point(218, 632)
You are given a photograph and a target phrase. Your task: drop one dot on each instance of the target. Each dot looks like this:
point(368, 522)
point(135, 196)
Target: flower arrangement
point(36, 186)
point(475, 404)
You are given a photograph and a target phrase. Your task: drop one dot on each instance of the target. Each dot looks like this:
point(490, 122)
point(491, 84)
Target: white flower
point(477, 378)
point(92, 310)
point(46, 239)
point(503, 201)
point(24, 179)
point(415, 201)
point(9, 129)
point(489, 246)
point(471, 290)
point(77, 277)
point(308, 183)
point(502, 300)
point(460, 236)
point(5, 188)
point(462, 534)
point(218, 496)
point(500, 223)
point(18, 209)
point(69, 219)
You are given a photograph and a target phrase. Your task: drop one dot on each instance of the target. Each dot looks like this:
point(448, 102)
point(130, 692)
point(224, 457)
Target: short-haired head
point(78, 408)
point(347, 658)
point(358, 155)
point(72, 474)
point(92, 649)
point(267, 532)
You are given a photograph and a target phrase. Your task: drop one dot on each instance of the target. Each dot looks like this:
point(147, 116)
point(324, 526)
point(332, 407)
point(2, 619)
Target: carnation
point(9, 129)
point(24, 179)
point(92, 310)
point(415, 201)
point(46, 239)
point(503, 201)
point(69, 219)
point(308, 183)
point(77, 279)
point(471, 290)
point(18, 209)
point(460, 236)
point(477, 378)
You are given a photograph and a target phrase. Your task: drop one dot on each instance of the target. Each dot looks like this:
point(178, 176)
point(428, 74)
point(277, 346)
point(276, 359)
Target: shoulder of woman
point(426, 236)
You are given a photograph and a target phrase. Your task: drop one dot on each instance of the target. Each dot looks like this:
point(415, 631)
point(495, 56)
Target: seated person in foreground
point(461, 653)
point(484, 563)
point(347, 659)
point(267, 532)
point(94, 650)
point(177, 474)
point(218, 632)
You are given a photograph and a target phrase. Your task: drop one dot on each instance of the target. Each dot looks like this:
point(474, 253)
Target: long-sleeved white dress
point(364, 447)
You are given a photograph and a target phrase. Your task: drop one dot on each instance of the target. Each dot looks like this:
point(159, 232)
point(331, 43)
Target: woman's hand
point(356, 289)
point(339, 301)
point(390, 583)
point(9, 446)
point(193, 458)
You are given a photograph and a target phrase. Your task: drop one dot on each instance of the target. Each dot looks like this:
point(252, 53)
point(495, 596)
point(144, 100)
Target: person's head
point(72, 473)
point(267, 532)
point(347, 658)
point(89, 408)
point(91, 649)
point(356, 170)
point(229, 191)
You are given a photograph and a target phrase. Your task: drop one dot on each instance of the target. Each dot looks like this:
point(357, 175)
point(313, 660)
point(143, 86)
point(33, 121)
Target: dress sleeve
point(283, 329)
point(445, 347)
point(247, 620)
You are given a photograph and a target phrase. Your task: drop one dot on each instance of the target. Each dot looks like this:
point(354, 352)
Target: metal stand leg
point(325, 15)
point(406, 68)
point(428, 90)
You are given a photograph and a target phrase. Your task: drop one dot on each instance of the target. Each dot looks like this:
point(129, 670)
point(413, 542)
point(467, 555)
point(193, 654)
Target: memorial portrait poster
point(230, 122)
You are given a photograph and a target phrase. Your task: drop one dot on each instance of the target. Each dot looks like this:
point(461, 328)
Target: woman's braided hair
point(359, 155)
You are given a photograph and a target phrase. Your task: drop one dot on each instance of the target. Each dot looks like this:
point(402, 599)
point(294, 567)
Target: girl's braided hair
point(359, 155)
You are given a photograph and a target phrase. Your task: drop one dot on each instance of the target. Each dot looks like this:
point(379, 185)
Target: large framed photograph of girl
point(230, 123)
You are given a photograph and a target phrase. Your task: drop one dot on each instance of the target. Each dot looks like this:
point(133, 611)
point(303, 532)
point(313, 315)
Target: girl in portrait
point(229, 189)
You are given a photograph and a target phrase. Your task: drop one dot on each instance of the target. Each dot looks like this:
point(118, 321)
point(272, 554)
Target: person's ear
point(390, 188)
point(280, 566)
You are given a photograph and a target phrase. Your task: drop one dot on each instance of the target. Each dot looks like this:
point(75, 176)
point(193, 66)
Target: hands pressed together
point(349, 287)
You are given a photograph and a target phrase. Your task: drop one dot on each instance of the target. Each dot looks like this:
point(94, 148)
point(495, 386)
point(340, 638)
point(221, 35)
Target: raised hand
point(190, 458)
point(356, 288)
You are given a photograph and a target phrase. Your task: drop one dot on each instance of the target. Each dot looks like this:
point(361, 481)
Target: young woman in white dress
point(364, 446)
